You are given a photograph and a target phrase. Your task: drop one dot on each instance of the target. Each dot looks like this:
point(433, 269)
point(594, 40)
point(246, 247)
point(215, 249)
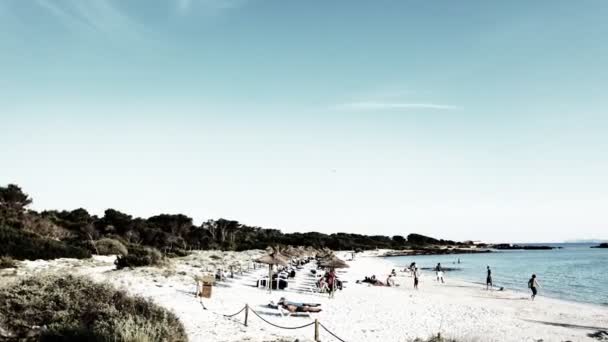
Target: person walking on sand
point(416, 275)
point(533, 284)
point(489, 279)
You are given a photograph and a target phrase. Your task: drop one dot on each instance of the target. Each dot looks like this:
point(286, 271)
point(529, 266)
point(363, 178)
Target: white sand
point(358, 313)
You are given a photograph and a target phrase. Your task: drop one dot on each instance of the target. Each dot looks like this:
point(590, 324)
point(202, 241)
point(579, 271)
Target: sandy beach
point(360, 312)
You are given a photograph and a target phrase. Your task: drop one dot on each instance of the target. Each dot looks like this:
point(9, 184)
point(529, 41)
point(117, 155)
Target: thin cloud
point(96, 15)
point(377, 105)
point(207, 7)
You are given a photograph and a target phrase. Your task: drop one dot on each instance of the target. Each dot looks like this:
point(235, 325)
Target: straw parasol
point(333, 262)
point(292, 252)
point(273, 258)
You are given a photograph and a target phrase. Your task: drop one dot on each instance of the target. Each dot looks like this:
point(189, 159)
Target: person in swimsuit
point(533, 284)
point(489, 279)
point(416, 276)
point(439, 272)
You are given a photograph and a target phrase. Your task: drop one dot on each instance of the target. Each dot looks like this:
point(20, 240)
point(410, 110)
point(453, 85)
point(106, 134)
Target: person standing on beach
point(533, 284)
point(439, 272)
point(416, 275)
point(489, 279)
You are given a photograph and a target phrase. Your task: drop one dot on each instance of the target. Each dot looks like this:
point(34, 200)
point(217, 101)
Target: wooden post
point(317, 330)
point(270, 279)
point(246, 313)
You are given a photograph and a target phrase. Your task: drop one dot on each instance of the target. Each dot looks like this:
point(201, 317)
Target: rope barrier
point(278, 326)
point(316, 322)
point(228, 316)
point(331, 333)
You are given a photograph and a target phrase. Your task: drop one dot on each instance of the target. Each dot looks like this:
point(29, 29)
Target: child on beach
point(416, 275)
point(533, 284)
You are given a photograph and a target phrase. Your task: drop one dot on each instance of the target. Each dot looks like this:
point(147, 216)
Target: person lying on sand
point(295, 306)
point(371, 280)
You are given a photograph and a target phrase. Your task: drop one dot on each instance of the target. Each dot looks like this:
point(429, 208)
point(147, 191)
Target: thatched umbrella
point(333, 263)
point(273, 258)
point(291, 252)
point(302, 251)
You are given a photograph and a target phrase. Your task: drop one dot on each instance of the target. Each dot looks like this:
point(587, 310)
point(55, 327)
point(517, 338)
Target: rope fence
point(229, 316)
point(331, 333)
point(316, 323)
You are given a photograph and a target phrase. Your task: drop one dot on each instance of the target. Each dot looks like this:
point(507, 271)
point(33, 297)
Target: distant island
point(601, 245)
point(585, 241)
point(524, 247)
point(436, 250)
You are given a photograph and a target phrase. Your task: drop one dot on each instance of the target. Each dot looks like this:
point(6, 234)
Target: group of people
point(533, 283)
point(329, 282)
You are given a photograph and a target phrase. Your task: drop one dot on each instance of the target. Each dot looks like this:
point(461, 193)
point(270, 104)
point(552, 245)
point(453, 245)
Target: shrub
point(140, 256)
point(177, 252)
point(77, 309)
point(21, 245)
point(110, 247)
point(7, 262)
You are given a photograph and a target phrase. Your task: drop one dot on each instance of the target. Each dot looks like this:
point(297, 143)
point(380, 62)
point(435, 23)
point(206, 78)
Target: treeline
point(172, 234)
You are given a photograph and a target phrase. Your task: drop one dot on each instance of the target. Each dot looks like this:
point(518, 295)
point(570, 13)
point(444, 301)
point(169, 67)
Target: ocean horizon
point(573, 272)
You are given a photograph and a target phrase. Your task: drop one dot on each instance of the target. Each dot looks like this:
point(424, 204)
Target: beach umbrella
point(292, 252)
point(333, 263)
point(271, 259)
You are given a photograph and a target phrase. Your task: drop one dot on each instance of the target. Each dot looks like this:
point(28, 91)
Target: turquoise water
point(574, 272)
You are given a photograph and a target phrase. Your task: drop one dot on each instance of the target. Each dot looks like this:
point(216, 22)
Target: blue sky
point(462, 120)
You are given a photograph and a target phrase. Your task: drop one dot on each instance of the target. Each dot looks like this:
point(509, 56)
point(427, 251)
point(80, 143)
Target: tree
point(12, 205)
point(13, 198)
point(399, 240)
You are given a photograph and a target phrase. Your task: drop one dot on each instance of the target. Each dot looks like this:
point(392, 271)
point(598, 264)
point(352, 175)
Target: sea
point(573, 272)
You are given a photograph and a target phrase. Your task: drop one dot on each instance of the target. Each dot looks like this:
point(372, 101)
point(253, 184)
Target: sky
point(478, 120)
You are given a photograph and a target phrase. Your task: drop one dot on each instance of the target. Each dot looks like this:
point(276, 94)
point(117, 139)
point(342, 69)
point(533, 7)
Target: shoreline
point(449, 271)
point(459, 309)
point(431, 274)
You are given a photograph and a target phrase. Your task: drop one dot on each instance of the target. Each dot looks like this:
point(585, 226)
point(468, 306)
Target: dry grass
point(7, 262)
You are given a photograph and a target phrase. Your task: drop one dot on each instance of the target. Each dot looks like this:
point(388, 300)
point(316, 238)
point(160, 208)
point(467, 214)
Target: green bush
point(22, 245)
point(7, 262)
point(110, 247)
point(74, 308)
point(140, 256)
point(177, 252)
